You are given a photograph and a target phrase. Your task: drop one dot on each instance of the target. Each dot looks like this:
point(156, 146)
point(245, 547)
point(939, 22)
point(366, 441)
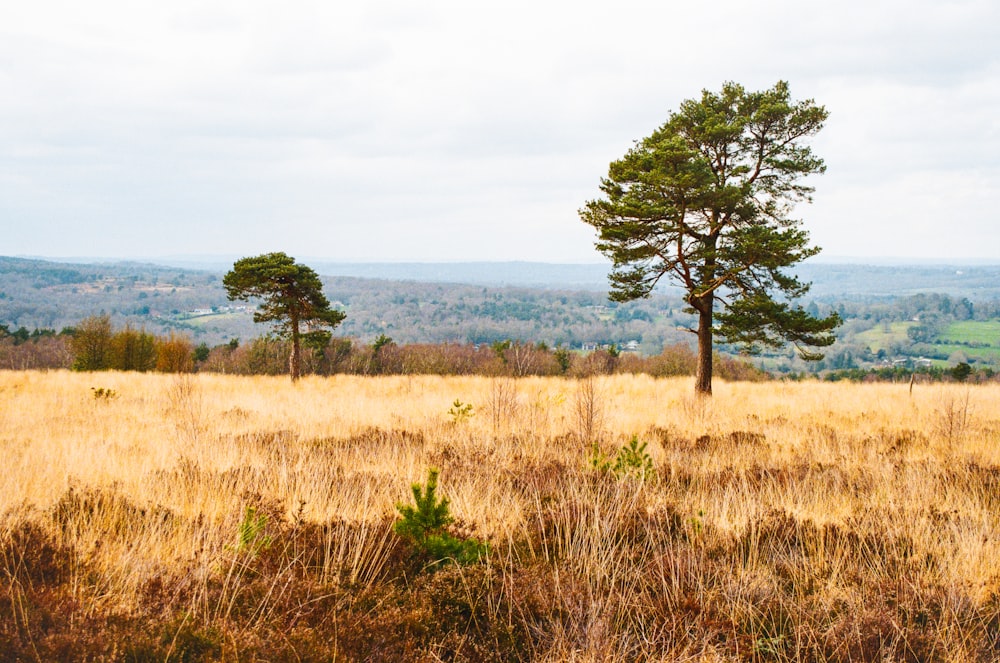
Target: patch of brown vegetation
point(780, 523)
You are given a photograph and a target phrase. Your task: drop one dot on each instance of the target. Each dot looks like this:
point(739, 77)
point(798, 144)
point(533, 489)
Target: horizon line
point(221, 258)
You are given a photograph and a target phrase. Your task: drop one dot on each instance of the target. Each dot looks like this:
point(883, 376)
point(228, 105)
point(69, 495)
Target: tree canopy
point(706, 201)
point(291, 297)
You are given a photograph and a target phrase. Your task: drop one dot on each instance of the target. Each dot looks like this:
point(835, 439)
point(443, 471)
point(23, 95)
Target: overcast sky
point(428, 131)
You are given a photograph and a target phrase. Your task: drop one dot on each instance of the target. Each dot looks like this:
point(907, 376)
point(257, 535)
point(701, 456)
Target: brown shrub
point(174, 354)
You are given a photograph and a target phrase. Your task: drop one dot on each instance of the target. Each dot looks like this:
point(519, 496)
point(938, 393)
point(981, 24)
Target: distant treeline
point(961, 372)
point(93, 345)
point(269, 356)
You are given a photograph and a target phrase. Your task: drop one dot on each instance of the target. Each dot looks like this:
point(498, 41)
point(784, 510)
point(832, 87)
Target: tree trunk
point(703, 376)
point(705, 305)
point(294, 361)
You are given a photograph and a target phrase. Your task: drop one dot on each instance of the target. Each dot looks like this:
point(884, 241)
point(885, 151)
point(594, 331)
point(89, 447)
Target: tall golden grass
point(784, 521)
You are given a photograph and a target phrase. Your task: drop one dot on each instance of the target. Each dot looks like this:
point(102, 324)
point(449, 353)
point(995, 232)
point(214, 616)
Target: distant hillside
point(831, 281)
point(892, 313)
point(519, 274)
point(840, 281)
point(36, 293)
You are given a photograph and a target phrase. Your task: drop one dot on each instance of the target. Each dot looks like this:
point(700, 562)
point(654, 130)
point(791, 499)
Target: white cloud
point(448, 129)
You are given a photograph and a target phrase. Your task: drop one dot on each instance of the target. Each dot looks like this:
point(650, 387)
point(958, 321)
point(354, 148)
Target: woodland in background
point(890, 331)
point(94, 345)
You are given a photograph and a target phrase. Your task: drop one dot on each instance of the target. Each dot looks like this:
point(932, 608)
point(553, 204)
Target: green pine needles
point(424, 526)
point(632, 461)
point(460, 412)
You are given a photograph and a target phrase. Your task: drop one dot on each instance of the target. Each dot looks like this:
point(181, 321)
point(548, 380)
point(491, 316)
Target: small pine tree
point(424, 526)
point(634, 460)
point(429, 516)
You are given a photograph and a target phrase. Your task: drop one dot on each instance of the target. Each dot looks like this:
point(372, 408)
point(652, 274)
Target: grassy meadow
point(148, 517)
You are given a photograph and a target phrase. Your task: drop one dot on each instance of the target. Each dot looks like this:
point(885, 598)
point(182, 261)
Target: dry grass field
point(209, 517)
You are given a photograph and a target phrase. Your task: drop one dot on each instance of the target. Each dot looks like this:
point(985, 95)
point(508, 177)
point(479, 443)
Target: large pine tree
point(705, 202)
